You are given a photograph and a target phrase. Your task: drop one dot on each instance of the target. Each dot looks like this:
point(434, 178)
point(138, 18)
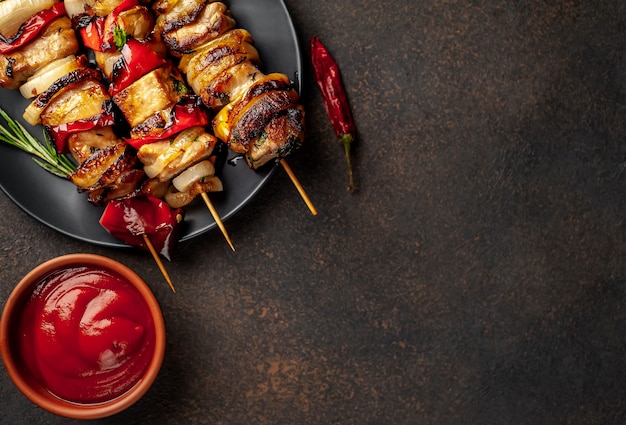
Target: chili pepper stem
point(346, 140)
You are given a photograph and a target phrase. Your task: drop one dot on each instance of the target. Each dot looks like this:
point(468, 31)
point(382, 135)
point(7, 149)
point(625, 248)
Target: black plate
point(56, 202)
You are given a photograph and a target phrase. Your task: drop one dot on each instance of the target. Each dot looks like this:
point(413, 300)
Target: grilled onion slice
point(193, 174)
point(48, 74)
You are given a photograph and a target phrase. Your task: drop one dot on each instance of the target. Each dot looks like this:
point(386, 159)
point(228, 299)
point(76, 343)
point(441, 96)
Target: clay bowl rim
point(39, 395)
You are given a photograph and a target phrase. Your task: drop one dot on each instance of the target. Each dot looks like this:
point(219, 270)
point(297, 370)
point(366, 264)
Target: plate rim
point(270, 169)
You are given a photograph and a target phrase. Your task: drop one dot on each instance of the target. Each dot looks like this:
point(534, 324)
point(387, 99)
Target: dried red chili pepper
point(329, 81)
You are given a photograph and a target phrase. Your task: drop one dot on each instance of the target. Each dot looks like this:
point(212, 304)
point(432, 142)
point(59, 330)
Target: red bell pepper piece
point(137, 60)
point(61, 132)
point(99, 33)
point(108, 37)
point(329, 81)
point(91, 34)
point(31, 28)
point(185, 114)
point(129, 219)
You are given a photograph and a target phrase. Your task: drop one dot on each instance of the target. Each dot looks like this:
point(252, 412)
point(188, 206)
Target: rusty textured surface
point(477, 275)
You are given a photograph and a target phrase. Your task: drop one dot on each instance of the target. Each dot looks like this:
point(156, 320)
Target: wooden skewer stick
point(217, 218)
point(158, 261)
point(296, 183)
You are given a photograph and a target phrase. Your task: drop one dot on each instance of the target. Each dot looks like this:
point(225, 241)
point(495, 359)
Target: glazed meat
point(185, 30)
point(76, 102)
point(165, 159)
point(280, 137)
point(221, 70)
point(245, 119)
point(104, 167)
point(128, 183)
point(201, 148)
point(176, 13)
point(57, 40)
point(67, 88)
point(154, 92)
point(137, 22)
point(85, 143)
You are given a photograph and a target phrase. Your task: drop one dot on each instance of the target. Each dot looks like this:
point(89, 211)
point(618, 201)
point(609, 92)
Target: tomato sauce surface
point(86, 335)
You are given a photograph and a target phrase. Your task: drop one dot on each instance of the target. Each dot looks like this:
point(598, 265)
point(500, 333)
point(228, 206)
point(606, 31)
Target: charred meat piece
point(156, 91)
point(104, 167)
point(244, 120)
point(281, 136)
point(65, 87)
point(201, 148)
point(221, 70)
point(57, 40)
point(137, 22)
point(127, 184)
point(185, 31)
point(75, 102)
point(86, 143)
point(165, 159)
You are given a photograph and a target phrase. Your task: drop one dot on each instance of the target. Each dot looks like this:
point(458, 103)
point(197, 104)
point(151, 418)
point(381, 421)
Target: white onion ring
point(196, 172)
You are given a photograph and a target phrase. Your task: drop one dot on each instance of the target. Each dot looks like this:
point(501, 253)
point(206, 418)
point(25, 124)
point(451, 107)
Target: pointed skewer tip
point(158, 261)
point(217, 219)
point(298, 186)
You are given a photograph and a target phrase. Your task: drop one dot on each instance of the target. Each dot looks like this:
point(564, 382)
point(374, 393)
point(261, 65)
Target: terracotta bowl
point(29, 380)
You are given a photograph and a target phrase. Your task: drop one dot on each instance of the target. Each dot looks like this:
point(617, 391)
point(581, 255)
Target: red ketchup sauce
point(86, 335)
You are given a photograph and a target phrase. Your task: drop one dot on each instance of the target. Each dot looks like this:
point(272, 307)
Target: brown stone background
point(475, 277)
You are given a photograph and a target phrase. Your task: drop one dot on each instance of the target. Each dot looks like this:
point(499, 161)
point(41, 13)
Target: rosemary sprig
point(46, 154)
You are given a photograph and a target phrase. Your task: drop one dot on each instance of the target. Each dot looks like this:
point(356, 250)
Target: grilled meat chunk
point(104, 167)
point(244, 120)
point(128, 183)
point(220, 70)
point(66, 86)
point(57, 40)
point(201, 148)
point(184, 33)
point(176, 12)
point(157, 90)
point(280, 137)
point(81, 101)
point(85, 143)
point(165, 159)
point(137, 22)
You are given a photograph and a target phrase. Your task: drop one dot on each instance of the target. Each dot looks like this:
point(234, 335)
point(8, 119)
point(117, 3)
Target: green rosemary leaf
point(46, 154)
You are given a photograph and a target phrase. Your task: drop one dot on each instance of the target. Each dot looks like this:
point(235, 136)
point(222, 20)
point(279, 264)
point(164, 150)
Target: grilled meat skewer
point(257, 115)
point(166, 120)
